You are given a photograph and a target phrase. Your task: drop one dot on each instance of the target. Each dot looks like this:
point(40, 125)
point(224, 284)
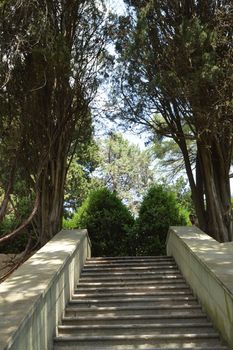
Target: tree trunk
point(197, 195)
point(50, 212)
point(217, 193)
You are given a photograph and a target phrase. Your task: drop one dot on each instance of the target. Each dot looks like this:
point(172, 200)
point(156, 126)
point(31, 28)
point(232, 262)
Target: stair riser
point(190, 346)
point(129, 289)
point(129, 267)
point(145, 342)
point(151, 262)
point(121, 312)
point(136, 279)
point(130, 258)
point(112, 269)
point(138, 331)
point(149, 319)
point(110, 295)
point(179, 283)
point(99, 274)
point(138, 303)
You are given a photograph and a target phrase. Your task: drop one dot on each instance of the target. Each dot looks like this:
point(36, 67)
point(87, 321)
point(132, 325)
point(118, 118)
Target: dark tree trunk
point(211, 191)
point(197, 194)
point(217, 193)
point(48, 221)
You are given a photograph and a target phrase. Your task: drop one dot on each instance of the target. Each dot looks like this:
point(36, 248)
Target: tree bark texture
point(217, 192)
point(48, 220)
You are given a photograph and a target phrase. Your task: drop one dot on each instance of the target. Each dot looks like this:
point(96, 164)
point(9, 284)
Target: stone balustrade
point(33, 298)
point(207, 265)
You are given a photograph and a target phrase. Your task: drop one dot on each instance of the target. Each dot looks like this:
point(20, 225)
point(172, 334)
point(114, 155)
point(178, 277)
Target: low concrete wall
point(207, 265)
point(33, 298)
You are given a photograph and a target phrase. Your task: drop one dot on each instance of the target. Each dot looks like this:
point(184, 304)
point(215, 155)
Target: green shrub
point(11, 221)
point(158, 211)
point(15, 245)
point(108, 222)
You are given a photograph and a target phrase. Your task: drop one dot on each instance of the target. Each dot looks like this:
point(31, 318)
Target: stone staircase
point(128, 303)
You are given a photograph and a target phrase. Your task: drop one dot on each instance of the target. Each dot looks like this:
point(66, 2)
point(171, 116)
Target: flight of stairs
point(128, 303)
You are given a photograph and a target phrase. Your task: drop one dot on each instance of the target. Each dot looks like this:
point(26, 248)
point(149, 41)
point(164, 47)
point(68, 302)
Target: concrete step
point(108, 294)
point(138, 272)
point(143, 300)
point(136, 341)
point(196, 318)
point(139, 329)
point(132, 260)
point(69, 346)
point(124, 268)
point(134, 278)
point(135, 283)
point(129, 263)
point(71, 310)
point(134, 303)
point(156, 288)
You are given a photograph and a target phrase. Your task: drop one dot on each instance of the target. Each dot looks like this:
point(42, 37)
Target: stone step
point(126, 274)
point(107, 294)
point(119, 283)
point(196, 318)
point(128, 260)
point(157, 288)
point(129, 263)
point(135, 341)
point(123, 268)
point(65, 346)
point(134, 303)
point(124, 258)
point(134, 278)
point(144, 300)
point(139, 329)
point(71, 310)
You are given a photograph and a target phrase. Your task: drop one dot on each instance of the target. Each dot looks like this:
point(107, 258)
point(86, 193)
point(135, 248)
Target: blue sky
point(117, 6)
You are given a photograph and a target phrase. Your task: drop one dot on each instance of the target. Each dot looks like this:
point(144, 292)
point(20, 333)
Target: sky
point(117, 6)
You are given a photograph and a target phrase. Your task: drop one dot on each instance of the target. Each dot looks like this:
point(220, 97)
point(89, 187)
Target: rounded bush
point(108, 222)
point(158, 211)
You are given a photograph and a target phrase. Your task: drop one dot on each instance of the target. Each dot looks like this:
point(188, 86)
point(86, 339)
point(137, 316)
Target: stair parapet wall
point(207, 265)
point(33, 298)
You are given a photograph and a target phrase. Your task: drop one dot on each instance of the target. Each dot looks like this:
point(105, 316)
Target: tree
point(125, 169)
point(80, 180)
point(158, 211)
point(169, 156)
point(176, 59)
point(51, 56)
point(108, 222)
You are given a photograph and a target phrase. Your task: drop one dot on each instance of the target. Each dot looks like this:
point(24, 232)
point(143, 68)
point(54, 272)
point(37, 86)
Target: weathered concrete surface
point(207, 265)
point(33, 298)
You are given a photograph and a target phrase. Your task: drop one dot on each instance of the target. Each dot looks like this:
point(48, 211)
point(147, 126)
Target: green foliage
point(158, 211)
point(19, 208)
point(114, 163)
point(125, 168)
point(79, 180)
point(177, 64)
point(183, 195)
point(108, 222)
point(180, 187)
point(17, 245)
point(169, 156)
point(52, 61)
